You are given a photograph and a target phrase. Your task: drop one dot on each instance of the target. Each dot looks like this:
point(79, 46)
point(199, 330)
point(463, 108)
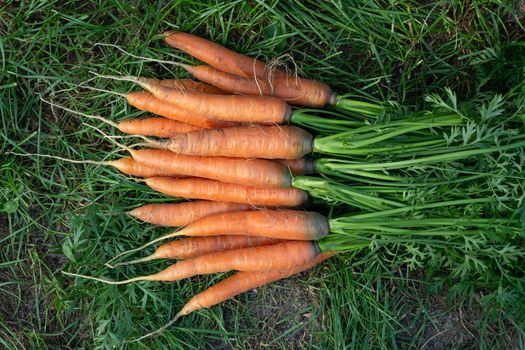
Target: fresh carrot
point(145, 101)
point(182, 214)
point(196, 188)
point(298, 167)
point(155, 126)
point(282, 224)
point(251, 172)
point(295, 91)
point(241, 282)
point(195, 246)
point(270, 142)
point(220, 57)
point(281, 256)
point(188, 84)
point(233, 108)
point(131, 167)
point(232, 286)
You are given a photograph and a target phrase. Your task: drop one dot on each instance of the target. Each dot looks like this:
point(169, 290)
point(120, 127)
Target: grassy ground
point(56, 215)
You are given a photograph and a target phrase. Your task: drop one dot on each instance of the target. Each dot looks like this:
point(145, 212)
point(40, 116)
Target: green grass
point(56, 215)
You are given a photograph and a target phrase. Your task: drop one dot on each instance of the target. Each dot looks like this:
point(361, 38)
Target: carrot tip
point(169, 33)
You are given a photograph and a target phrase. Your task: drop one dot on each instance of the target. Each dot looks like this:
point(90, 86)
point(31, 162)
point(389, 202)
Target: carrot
point(182, 214)
point(281, 256)
point(156, 126)
point(131, 167)
point(220, 57)
point(196, 188)
point(188, 84)
point(282, 224)
point(301, 166)
point(232, 286)
point(233, 108)
point(241, 282)
point(296, 91)
point(250, 172)
point(145, 101)
point(195, 246)
point(271, 142)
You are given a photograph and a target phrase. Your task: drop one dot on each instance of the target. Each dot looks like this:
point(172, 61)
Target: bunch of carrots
point(225, 147)
point(225, 142)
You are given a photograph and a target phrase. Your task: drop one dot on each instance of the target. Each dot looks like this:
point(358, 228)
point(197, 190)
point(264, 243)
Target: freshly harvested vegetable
point(250, 172)
point(234, 285)
point(155, 126)
point(195, 246)
point(182, 214)
point(220, 57)
point(233, 108)
point(293, 90)
point(145, 101)
point(282, 256)
point(131, 167)
point(196, 188)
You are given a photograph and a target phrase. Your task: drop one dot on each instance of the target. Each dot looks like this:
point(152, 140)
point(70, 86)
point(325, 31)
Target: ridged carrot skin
point(155, 126)
point(281, 256)
point(145, 101)
point(188, 84)
point(131, 167)
point(242, 282)
point(233, 108)
point(298, 167)
point(182, 214)
point(220, 57)
point(282, 224)
point(191, 247)
point(295, 91)
point(250, 172)
point(270, 142)
point(196, 188)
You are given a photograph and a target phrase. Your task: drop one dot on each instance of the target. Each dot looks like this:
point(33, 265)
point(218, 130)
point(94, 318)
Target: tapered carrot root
point(282, 224)
point(241, 282)
point(195, 188)
point(145, 101)
point(295, 91)
point(232, 286)
point(233, 108)
point(188, 84)
point(270, 142)
point(251, 172)
point(298, 167)
point(131, 167)
point(281, 256)
point(195, 246)
point(156, 126)
point(220, 57)
point(182, 214)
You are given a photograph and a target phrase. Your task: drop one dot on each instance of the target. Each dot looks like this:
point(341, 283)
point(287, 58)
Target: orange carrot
point(234, 108)
point(196, 188)
point(250, 172)
point(195, 246)
point(241, 282)
point(182, 214)
point(188, 84)
point(296, 91)
point(155, 126)
point(301, 166)
point(220, 57)
point(280, 256)
point(282, 224)
point(131, 167)
point(270, 142)
point(145, 101)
